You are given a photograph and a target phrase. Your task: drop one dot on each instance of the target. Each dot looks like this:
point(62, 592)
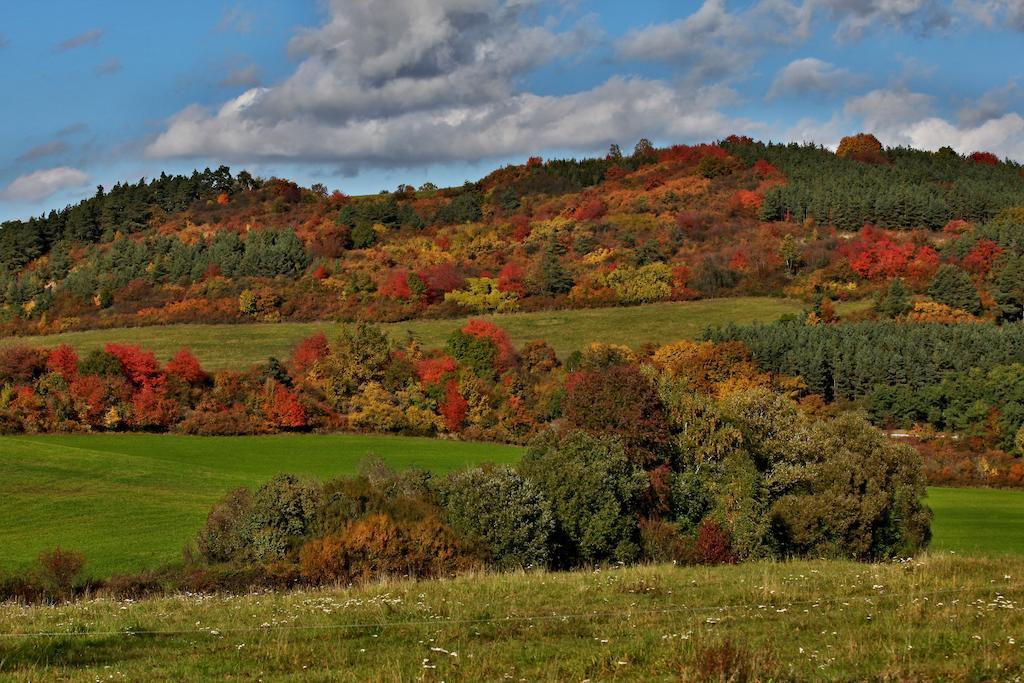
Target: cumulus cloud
point(888, 113)
point(1008, 13)
point(82, 39)
point(714, 42)
point(37, 186)
point(807, 76)
point(1003, 135)
point(411, 83)
point(45, 150)
point(856, 17)
point(992, 104)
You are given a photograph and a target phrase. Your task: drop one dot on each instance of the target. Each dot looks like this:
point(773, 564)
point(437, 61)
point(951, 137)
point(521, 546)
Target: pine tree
point(895, 302)
point(953, 287)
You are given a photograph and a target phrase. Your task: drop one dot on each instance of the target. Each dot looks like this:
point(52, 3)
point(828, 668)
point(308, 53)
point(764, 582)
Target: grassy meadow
point(222, 347)
point(132, 501)
point(939, 617)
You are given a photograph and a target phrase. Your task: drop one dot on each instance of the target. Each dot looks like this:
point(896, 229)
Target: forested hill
point(935, 235)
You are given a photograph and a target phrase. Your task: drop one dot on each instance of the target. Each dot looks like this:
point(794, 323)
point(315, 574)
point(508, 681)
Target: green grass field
point(131, 501)
point(240, 346)
point(938, 618)
point(978, 521)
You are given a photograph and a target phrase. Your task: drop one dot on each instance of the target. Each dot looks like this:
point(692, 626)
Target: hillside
point(734, 218)
point(935, 618)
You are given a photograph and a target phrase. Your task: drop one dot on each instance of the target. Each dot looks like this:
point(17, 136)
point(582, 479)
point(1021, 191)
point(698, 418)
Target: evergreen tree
point(953, 287)
point(895, 302)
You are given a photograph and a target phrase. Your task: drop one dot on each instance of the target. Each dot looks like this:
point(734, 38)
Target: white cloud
point(810, 75)
point(992, 13)
point(401, 83)
point(714, 42)
point(1003, 135)
point(888, 113)
point(42, 184)
point(857, 17)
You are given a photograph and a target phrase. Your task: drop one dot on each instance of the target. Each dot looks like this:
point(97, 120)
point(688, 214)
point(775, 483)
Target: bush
point(594, 491)
point(283, 510)
point(377, 546)
point(662, 542)
point(222, 538)
point(59, 569)
point(500, 514)
point(714, 544)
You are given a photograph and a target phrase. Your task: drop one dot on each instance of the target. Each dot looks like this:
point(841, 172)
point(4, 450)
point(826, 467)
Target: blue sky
point(363, 95)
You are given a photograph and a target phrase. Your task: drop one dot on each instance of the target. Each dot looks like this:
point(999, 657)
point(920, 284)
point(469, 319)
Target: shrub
point(377, 546)
point(497, 512)
point(714, 544)
point(59, 569)
point(661, 541)
point(594, 491)
point(283, 510)
point(223, 536)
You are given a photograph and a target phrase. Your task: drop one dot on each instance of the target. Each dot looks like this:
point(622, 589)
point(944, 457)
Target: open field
point(131, 501)
point(978, 521)
point(240, 346)
point(940, 617)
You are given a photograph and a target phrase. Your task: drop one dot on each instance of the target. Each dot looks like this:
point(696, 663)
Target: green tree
point(953, 287)
point(895, 302)
point(595, 494)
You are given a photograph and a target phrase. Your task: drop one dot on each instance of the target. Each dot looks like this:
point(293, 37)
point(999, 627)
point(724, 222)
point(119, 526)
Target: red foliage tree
point(308, 351)
point(439, 279)
point(152, 409)
point(282, 409)
point(454, 407)
point(21, 364)
point(140, 367)
point(506, 355)
point(510, 278)
point(64, 361)
point(980, 258)
point(520, 228)
point(321, 273)
point(187, 367)
point(432, 370)
point(621, 401)
point(88, 395)
point(396, 285)
point(590, 209)
point(987, 158)
point(714, 544)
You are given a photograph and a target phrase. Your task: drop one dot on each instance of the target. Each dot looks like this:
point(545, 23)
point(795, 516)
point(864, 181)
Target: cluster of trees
point(986, 402)
point(125, 208)
point(746, 477)
point(655, 225)
point(848, 361)
point(899, 188)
